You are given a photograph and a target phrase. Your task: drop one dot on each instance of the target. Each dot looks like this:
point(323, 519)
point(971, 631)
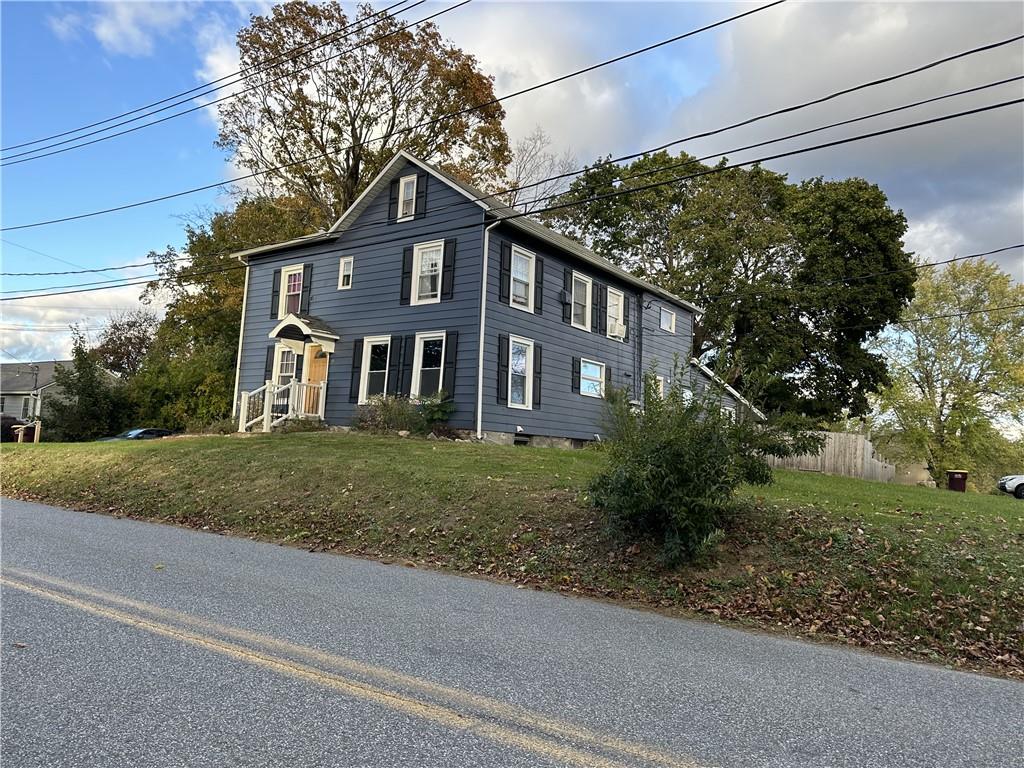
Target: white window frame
point(621, 319)
point(279, 350)
point(687, 395)
point(729, 412)
point(417, 263)
point(417, 359)
point(660, 382)
point(401, 198)
point(343, 263)
point(282, 302)
point(531, 284)
point(583, 362)
point(364, 370)
point(528, 389)
point(590, 297)
point(672, 320)
point(26, 407)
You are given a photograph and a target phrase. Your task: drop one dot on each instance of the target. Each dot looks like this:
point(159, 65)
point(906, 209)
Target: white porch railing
point(272, 404)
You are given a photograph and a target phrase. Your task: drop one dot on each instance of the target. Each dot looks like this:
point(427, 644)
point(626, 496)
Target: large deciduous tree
point(320, 123)
point(787, 274)
point(957, 368)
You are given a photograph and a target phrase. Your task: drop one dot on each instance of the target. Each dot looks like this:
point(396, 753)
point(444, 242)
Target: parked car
point(138, 434)
point(1012, 484)
point(7, 425)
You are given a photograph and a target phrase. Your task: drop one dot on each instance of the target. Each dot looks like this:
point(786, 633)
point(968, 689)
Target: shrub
point(300, 425)
point(217, 427)
point(391, 413)
point(673, 468)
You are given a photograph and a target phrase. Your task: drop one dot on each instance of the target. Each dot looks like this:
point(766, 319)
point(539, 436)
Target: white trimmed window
point(291, 291)
point(373, 378)
point(520, 373)
point(426, 272)
point(523, 266)
point(345, 273)
point(668, 320)
point(428, 364)
point(284, 364)
point(406, 198)
point(591, 378)
point(659, 386)
point(26, 407)
point(582, 288)
point(616, 314)
point(729, 413)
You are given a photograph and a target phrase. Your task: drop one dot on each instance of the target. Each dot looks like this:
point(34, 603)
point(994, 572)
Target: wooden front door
point(315, 374)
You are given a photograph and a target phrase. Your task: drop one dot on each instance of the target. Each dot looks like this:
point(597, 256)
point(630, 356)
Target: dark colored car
point(7, 425)
point(138, 434)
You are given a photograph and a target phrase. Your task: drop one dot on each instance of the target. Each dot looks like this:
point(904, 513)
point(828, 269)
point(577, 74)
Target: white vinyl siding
point(345, 273)
point(616, 314)
point(428, 364)
point(291, 291)
point(520, 373)
point(426, 272)
point(407, 198)
point(582, 288)
point(523, 266)
point(374, 373)
point(591, 378)
point(668, 320)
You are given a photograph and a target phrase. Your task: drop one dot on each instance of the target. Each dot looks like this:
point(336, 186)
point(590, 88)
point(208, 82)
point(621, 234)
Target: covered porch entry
point(295, 376)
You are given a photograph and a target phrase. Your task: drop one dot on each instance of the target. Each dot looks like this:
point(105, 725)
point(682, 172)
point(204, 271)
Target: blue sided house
point(428, 284)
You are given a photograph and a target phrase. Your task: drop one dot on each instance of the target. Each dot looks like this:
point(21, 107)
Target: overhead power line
point(408, 129)
point(35, 156)
point(274, 61)
point(604, 196)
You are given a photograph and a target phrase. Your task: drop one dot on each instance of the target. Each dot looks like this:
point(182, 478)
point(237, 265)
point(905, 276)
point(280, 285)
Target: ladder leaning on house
point(272, 404)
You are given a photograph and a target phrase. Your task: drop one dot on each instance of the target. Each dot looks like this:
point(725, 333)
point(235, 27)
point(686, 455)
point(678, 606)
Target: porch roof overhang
point(295, 331)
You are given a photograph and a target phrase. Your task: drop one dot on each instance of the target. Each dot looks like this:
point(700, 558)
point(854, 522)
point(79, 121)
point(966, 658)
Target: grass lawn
point(922, 573)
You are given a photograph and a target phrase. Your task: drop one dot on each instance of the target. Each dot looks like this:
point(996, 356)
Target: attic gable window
point(668, 320)
point(406, 198)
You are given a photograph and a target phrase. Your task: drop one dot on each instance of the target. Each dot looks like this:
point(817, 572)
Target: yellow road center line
point(482, 704)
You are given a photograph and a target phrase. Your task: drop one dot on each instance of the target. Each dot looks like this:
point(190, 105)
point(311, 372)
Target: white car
point(1012, 484)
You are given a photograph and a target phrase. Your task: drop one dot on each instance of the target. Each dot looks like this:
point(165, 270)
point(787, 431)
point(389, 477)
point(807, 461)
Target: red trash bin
point(956, 480)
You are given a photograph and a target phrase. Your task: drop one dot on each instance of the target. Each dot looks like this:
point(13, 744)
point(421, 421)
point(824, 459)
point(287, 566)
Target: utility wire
point(607, 195)
point(408, 129)
point(11, 161)
point(274, 61)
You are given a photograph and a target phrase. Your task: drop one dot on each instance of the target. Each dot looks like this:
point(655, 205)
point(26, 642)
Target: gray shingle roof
point(21, 377)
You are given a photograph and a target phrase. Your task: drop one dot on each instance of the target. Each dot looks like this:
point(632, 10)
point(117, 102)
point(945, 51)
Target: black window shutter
point(505, 281)
point(598, 319)
point(448, 271)
point(607, 380)
point(298, 367)
point(451, 349)
point(538, 285)
point(408, 356)
point(627, 310)
point(307, 285)
point(406, 288)
point(357, 365)
point(567, 297)
point(394, 365)
point(575, 374)
point(537, 358)
point(275, 294)
point(421, 195)
point(502, 369)
point(393, 202)
point(268, 370)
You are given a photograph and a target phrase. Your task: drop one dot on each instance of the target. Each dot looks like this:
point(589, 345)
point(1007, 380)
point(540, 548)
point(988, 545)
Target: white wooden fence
point(842, 454)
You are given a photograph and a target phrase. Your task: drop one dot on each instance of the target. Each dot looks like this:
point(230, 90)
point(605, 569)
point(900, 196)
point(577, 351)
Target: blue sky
point(67, 64)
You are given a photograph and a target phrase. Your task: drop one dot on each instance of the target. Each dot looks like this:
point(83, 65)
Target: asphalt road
point(133, 644)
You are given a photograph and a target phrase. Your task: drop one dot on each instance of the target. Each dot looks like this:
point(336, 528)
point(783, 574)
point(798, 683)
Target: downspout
point(481, 336)
point(241, 334)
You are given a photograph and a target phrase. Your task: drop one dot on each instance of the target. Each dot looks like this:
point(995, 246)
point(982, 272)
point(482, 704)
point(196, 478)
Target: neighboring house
point(425, 284)
point(24, 385)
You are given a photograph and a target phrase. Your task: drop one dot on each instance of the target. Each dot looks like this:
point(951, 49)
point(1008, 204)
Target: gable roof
point(21, 377)
point(714, 377)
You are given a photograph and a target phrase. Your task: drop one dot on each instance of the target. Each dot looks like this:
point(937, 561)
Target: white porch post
point(323, 399)
point(243, 411)
point(268, 402)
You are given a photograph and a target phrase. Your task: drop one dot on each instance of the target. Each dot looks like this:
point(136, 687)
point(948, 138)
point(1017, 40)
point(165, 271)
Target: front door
point(315, 374)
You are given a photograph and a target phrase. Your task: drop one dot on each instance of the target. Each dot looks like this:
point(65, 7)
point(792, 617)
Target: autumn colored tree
point(125, 340)
point(957, 369)
point(320, 123)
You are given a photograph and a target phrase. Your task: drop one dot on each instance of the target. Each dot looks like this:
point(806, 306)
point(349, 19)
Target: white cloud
point(66, 27)
point(127, 28)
